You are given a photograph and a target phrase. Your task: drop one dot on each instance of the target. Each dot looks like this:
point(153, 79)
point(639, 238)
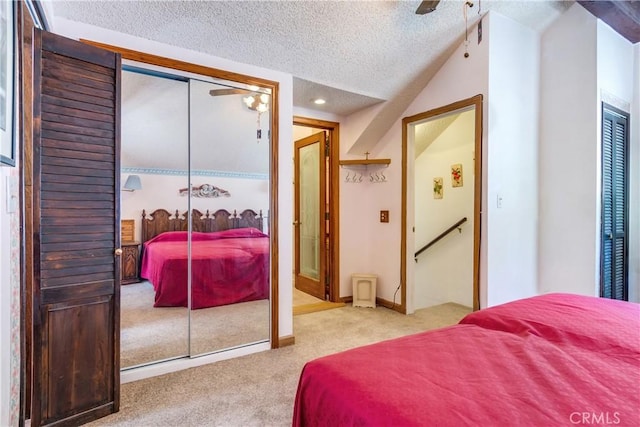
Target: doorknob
point(296, 223)
point(610, 236)
point(118, 252)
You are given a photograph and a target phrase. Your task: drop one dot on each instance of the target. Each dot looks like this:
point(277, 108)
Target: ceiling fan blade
point(427, 7)
point(235, 91)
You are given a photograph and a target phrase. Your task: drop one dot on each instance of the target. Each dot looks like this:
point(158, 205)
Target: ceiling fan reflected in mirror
point(254, 101)
point(427, 6)
point(231, 91)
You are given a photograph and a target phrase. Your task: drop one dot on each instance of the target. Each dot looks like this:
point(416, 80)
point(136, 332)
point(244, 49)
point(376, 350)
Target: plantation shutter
point(614, 268)
point(76, 152)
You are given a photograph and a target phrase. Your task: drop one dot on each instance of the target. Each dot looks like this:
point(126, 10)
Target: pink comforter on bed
point(227, 267)
point(551, 360)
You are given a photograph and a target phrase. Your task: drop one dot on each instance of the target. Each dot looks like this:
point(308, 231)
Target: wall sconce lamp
point(132, 184)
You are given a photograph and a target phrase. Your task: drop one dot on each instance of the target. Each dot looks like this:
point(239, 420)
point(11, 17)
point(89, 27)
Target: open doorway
point(441, 190)
point(316, 228)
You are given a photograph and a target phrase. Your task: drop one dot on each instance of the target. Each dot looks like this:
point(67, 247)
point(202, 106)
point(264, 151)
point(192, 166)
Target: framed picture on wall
point(7, 82)
point(456, 175)
point(437, 188)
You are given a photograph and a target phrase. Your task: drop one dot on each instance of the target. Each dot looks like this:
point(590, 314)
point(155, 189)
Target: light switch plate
point(12, 193)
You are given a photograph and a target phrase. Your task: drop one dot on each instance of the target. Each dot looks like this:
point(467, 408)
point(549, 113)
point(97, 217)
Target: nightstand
point(130, 272)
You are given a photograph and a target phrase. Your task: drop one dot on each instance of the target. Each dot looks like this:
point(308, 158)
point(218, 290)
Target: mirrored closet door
point(154, 141)
point(198, 150)
point(229, 128)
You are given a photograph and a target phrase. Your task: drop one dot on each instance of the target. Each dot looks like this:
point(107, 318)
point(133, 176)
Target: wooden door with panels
point(310, 215)
point(76, 231)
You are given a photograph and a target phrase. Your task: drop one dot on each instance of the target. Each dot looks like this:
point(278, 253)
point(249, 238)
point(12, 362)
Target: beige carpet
point(149, 333)
point(259, 389)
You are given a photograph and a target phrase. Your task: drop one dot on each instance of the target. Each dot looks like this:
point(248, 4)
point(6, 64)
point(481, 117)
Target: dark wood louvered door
point(76, 146)
point(614, 270)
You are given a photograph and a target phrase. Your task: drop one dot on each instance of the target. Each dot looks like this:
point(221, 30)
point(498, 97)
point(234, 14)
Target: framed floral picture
point(437, 188)
point(456, 175)
point(7, 82)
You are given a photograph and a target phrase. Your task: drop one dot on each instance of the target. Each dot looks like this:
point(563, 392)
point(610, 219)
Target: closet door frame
point(146, 58)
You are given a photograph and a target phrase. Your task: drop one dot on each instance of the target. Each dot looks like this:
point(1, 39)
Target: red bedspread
point(493, 369)
point(226, 267)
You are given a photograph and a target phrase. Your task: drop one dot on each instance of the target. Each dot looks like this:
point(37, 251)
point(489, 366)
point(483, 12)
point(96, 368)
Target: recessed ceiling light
point(319, 101)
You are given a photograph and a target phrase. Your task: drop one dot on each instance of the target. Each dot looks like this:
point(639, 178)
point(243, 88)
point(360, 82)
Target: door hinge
point(326, 216)
point(327, 146)
point(327, 292)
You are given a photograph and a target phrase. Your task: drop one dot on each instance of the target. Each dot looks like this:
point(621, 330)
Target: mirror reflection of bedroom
point(194, 208)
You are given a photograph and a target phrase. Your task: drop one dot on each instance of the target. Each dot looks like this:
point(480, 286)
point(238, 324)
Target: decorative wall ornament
point(205, 190)
point(437, 188)
point(456, 175)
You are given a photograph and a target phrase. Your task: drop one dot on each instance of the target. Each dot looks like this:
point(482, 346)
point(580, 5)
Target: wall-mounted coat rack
point(358, 176)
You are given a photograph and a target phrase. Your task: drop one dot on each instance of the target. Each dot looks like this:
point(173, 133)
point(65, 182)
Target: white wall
point(315, 114)
point(77, 30)
point(300, 132)
point(508, 262)
point(366, 245)
point(444, 272)
point(9, 295)
point(568, 176)
point(512, 167)
point(542, 239)
point(5, 307)
point(583, 63)
point(634, 179)
point(616, 85)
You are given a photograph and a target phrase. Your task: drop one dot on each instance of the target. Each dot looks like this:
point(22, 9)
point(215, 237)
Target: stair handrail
point(440, 236)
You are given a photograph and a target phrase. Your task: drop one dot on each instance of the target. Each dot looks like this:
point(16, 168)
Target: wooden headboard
point(161, 220)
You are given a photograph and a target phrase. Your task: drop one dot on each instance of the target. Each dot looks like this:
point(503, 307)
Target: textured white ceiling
point(354, 53)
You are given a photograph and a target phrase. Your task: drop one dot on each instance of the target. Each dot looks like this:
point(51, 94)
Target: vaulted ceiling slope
point(353, 53)
point(622, 16)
